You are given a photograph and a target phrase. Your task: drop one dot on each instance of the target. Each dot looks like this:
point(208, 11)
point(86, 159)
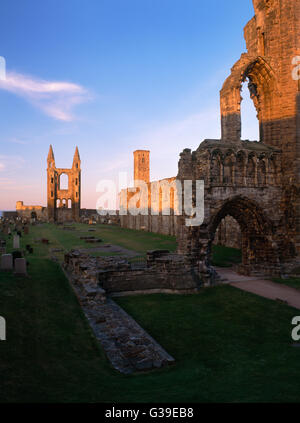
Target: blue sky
point(111, 76)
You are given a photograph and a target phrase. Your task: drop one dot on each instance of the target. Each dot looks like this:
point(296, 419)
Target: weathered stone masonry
point(155, 220)
point(163, 271)
point(257, 183)
point(63, 204)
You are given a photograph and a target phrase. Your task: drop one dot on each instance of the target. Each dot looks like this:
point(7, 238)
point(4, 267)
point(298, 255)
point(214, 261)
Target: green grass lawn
point(131, 239)
point(292, 282)
point(225, 256)
point(229, 345)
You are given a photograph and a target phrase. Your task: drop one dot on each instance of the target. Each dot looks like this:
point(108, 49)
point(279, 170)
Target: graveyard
point(228, 345)
point(150, 204)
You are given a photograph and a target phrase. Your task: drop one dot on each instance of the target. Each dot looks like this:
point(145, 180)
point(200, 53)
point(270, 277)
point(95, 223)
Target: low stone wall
point(28, 212)
point(162, 272)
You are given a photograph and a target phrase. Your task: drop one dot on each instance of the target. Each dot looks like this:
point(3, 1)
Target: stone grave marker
point(20, 266)
point(6, 262)
point(16, 241)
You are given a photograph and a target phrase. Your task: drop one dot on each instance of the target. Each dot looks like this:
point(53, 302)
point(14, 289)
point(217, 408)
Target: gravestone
point(2, 250)
point(20, 266)
point(16, 241)
point(6, 262)
point(26, 230)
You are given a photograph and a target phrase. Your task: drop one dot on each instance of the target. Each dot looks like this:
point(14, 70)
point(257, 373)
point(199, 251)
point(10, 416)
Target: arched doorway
point(259, 251)
point(227, 243)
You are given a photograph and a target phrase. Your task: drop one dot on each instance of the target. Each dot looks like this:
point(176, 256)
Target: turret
point(50, 158)
point(76, 160)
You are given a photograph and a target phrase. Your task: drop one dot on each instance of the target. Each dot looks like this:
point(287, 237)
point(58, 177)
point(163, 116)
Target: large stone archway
point(259, 248)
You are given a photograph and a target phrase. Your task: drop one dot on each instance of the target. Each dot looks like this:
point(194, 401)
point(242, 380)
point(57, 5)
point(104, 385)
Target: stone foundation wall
point(162, 272)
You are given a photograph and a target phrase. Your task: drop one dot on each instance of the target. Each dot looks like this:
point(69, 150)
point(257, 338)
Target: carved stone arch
point(251, 169)
point(240, 168)
point(228, 167)
point(258, 245)
point(216, 168)
point(262, 170)
point(263, 91)
point(229, 152)
point(262, 87)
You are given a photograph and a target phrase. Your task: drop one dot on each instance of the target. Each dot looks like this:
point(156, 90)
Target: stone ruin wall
point(155, 221)
point(161, 272)
point(228, 234)
point(166, 225)
point(28, 212)
point(257, 183)
point(63, 204)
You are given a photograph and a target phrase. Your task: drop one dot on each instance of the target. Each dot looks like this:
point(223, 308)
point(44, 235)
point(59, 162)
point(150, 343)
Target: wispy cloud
point(55, 98)
point(10, 163)
point(15, 140)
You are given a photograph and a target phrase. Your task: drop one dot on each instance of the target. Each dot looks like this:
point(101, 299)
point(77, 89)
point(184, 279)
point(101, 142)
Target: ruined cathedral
point(255, 184)
point(63, 201)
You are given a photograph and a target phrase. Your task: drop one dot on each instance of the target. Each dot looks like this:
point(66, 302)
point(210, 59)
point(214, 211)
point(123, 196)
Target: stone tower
point(63, 201)
point(141, 165)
